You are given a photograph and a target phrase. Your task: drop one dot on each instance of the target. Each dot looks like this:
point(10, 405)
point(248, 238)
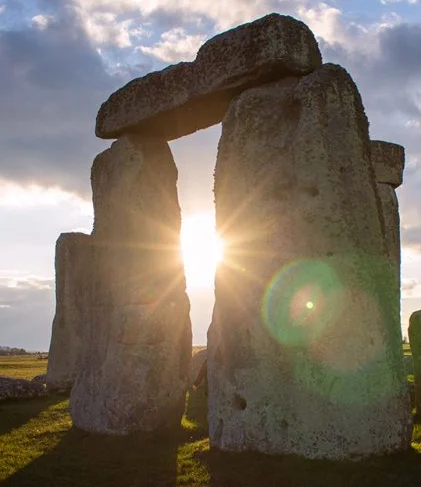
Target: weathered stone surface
point(135, 368)
point(190, 96)
point(196, 363)
point(19, 389)
point(390, 207)
point(389, 162)
point(304, 354)
point(72, 263)
point(414, 333)
point(40, 379)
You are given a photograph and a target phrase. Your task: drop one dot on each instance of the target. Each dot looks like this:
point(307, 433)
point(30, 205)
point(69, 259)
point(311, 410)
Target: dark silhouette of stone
point(414, 333)
point(11, 388)
point(72, 263)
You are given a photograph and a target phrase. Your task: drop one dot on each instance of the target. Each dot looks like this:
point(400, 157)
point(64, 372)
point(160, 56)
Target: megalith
point(135, 366)
point(388, 161)
point(304, 352)
point(414, 333)
point(72, 265)
point(187, 97)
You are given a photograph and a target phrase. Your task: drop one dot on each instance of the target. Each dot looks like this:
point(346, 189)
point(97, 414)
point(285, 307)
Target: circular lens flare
point(300, 301)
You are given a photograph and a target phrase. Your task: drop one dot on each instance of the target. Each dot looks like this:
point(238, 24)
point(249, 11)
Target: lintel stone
point(190, 96)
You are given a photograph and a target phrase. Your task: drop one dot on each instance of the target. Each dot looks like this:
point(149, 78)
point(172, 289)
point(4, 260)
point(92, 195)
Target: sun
point(202, 249)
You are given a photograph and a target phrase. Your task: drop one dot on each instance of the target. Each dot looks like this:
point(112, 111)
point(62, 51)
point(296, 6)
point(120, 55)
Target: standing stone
point(414, 332)
point(187, 97)
point(389, 160)
point(304, 351)
point(72, 263)
point(135, 368)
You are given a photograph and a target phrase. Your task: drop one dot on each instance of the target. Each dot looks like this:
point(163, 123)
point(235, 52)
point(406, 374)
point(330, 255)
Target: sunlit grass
point(22, 366)
point(39, 447)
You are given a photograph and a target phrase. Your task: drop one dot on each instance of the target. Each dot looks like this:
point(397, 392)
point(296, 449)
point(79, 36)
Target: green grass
point(22, 366)
point(39, 447)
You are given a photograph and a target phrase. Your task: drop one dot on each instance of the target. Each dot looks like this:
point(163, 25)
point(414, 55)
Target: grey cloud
point(390, 85)
point(409, 284)
point(26, 313)
point(50, 92)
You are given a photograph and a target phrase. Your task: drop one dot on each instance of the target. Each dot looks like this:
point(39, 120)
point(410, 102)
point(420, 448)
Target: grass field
point(39, 447)
point(22, 366)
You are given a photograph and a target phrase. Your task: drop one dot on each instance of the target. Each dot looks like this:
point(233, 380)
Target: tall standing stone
point(304, 351)
point(414, 332)
point(72, 264)
point(389, 160)
point(136, 365)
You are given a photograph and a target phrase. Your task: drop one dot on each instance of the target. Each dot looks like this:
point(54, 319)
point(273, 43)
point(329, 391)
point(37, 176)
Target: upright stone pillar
point(414, 332)
point(389, 161)
point(304, 351)
point(136, 362)
point(72, 263)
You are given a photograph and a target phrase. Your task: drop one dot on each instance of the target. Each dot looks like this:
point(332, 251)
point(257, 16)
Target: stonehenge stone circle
point(414, 333)
point(304, 349)
point(304, 353)
point(73, 258)
point(135, 367)
point(388, 160)
point(190, 96)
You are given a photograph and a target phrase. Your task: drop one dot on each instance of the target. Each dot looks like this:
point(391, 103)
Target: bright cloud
point(42, 21)
point(175, 45)
point(14, 195)
point(387, 2)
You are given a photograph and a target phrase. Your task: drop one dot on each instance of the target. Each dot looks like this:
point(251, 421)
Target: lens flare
point(300, 301)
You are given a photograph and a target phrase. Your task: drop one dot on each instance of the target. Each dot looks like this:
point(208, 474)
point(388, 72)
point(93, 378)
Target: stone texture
point(72, 263)
point(414, 333)
point(389, 161)
point(40, 379)
point(187, 97)
point(135, 367)
point(19, 389)
point(304, 354)
point(196, 363)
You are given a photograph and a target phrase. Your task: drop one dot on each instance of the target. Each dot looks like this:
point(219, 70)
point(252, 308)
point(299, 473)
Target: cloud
point(408, 286)
point(175, 45)
point(51, 90)
point(26, 305)
point(387, 2)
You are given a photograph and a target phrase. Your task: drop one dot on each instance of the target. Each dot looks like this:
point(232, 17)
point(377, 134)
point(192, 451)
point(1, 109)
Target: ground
point(39, 447)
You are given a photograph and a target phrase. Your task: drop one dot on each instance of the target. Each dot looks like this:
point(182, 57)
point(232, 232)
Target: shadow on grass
point(197, 411)
point(252, 470)
point(15, 413)
point(82, 459)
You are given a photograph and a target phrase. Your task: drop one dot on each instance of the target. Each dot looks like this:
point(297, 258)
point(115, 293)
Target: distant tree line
point(12, 351)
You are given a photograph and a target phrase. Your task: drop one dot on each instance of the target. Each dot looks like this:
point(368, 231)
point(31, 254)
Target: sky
point(60, 59)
